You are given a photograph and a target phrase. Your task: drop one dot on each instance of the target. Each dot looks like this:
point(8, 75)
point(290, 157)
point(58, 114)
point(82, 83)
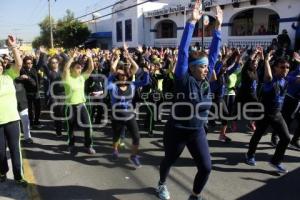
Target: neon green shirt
point(74, 89)
point(8, 99)
point(232, 82)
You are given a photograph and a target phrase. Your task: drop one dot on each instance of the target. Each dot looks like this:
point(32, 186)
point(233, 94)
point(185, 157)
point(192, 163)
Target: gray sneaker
point(162, 192)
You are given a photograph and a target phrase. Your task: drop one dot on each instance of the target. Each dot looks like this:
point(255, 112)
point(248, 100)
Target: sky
point(21, 17)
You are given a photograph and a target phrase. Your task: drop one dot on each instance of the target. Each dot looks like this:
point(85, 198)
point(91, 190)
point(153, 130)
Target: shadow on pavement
point(286, 187)
point(81, 192)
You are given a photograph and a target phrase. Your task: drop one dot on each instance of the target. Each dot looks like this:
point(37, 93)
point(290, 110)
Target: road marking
point(28, 173)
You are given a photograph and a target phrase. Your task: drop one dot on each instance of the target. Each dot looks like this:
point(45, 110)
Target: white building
point(161, 23)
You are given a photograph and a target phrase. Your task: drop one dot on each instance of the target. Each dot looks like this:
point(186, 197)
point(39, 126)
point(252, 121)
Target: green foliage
point(67, 32)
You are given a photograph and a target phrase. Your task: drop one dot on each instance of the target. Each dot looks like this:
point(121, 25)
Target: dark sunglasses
point(285, 67)
point(121, 74)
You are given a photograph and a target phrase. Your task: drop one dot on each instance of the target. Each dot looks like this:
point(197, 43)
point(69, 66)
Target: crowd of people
point(79, 86)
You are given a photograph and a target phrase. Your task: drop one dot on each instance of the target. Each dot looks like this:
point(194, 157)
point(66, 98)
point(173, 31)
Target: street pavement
point(54, 174)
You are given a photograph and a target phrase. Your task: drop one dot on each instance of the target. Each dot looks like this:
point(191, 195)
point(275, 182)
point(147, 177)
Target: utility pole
point(51, 29)
point(202, 21)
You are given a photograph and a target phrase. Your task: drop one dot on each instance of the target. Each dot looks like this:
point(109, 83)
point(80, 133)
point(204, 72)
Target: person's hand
point(146, 69)
point(89, 53)
point(140, 48)
point(125, 46)
point(11, 41)
point(197, 13)
point(238, 55)
point(259, 51)
point(96, 94)
point(24, 77)
point(219, 17)
point(42, 49)
point(269, 56)
point(296, 57)
point(73, 53)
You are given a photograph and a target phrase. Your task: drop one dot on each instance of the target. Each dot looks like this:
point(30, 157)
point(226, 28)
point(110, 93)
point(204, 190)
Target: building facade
point(161, 23)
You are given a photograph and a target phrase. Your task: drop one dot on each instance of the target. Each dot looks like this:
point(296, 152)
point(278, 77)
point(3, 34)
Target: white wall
point(141, 26)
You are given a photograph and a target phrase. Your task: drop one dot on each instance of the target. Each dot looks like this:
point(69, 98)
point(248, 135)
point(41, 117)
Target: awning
point(101, 35)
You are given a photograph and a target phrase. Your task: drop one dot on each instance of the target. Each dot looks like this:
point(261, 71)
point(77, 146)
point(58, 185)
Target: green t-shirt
point(8, 100)
point(232, 82)
point(74, 89)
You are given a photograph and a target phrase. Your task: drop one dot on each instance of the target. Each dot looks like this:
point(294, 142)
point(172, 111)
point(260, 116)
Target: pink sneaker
point(234, 127)
point(251, 126)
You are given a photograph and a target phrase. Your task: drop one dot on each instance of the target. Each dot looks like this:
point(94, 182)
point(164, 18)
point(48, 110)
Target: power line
point(127, 8)
point(101, 9)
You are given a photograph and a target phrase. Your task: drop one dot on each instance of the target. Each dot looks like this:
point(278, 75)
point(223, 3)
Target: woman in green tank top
point(76, 111)
point(9, 118)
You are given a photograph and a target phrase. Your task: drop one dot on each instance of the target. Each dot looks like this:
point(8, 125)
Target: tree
point(44, 38)
point(67, 32)
point(71, 32)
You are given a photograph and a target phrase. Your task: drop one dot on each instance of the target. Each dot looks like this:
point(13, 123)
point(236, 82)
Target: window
point(273, 25)
point(166, 29)
point(119, 32)
point(128, 30)
point(257, 21)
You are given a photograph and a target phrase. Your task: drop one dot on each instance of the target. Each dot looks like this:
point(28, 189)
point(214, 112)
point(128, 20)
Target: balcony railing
point(232, 41)
point(206, 41)
point(166, 42)
point(250, 41)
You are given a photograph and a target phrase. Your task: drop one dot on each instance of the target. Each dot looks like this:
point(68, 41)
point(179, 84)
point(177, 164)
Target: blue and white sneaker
point(279, 168)
point(192, 197)
point(250, 160)
point(162, 192)
point(115, 155)
point(134, 159)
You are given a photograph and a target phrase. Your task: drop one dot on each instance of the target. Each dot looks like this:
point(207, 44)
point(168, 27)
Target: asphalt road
point(57, 175)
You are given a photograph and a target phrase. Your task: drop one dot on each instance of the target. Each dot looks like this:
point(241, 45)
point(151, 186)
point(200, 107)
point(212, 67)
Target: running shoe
point(250, 160)
point(279, 168)
point(295, 144)
point(22, 182)
point(71, 150)
point(224, 138)
point(274, 141)
point(234, 127)
point(59, 134)
point(28, 141)
point(134, 159)
point(115, 155)
point(251, 126)
point(150, 133)
point(162, 192)
point(192, 197)
point(90, 150)
point(3, 178)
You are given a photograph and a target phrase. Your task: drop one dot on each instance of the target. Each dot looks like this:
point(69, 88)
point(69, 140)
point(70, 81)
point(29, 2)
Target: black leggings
point(58, 110)
point(175, 141)
point(279, 126)
point(79, 116)
point(223, 111)
point(132, 126)
point(34, 108)
point(10, 136)
point(288, 108)
point(96, 110)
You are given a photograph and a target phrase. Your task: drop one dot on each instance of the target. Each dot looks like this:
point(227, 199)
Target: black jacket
point(32, 83)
